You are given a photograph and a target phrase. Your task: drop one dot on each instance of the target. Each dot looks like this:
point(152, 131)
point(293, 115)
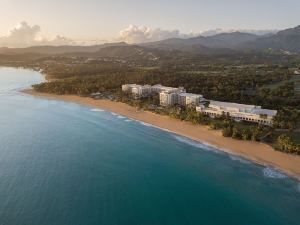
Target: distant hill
point(223, 43)
point(131, 52)
point(54, 50)
point(230, 40)
point(287, 40)
point(220, 44)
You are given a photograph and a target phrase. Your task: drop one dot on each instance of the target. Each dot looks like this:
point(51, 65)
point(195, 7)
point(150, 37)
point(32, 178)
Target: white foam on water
point(97, 110)
point(273, 173)
point(127, 120)
point(118, 115)
point(151, 125)
point(146, 124)
point(239, 159)
point(196, 144)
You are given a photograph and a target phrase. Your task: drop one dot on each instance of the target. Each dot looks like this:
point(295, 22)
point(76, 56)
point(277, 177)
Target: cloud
point(59, 40)
point(251, 31)
point(25, 35)
point(141, 34)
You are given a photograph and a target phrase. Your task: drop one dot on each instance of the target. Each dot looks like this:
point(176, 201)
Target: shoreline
point(257, 152)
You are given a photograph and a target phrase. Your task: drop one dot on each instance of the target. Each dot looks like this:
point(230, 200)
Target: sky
point(138, 20)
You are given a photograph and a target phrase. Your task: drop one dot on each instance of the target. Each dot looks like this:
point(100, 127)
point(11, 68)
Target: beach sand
point(255, 151)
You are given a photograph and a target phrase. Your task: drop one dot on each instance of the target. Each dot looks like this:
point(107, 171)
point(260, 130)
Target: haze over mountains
point(285, 41)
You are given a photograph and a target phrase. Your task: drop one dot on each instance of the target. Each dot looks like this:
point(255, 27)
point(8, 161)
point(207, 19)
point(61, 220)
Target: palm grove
point(269, 80)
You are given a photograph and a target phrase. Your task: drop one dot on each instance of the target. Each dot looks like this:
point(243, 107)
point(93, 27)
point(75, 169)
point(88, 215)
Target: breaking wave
point(196, 144)
point(97, 110)
point(151, 125)
point(146, 124)
point(273, 173)
point(121, 117)
point(239, 159)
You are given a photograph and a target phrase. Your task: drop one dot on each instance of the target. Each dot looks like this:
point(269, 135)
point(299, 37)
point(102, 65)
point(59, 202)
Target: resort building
point(168, 98)
point(128, 87)
point(238, 112)
point(138, 91)
point(159, 88)
point(189, 99)
point(141, 91)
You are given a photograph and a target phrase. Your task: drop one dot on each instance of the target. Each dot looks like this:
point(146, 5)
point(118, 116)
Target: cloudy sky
point(36, 22)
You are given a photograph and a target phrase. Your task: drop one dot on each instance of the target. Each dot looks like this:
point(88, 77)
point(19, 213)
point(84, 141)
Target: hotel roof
point(233, 105)
point(190, 95)
point(248, 108)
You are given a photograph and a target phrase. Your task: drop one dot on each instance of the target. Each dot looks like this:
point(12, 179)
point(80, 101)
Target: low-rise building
point(189, 99)
point(238, 112)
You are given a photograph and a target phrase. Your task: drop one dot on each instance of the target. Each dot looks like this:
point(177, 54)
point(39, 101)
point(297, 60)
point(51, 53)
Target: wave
point(121, 117)
point(127, 120)
point(114, 114)
point(273, 173)
point(196, 144)
point(151, 125)
point(146, 124)
point(239, 159)
point(97, 110)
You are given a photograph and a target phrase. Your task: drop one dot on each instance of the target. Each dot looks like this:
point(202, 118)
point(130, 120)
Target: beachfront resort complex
point(171, 96)
point(238, 112)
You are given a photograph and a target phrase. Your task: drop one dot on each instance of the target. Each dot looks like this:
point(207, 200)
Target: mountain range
point(285, 41)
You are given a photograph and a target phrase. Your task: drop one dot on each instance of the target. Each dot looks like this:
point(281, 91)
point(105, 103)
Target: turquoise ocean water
point(66, 164)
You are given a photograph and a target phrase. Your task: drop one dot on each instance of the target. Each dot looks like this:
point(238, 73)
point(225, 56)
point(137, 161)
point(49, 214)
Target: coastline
point(260, 153)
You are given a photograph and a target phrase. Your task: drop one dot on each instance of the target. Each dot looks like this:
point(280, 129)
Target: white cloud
point(25, 35)
point(141, 34)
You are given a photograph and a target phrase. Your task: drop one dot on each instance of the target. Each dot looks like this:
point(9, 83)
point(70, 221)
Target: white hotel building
point(189, 99)
point(136, 90)
point(238, 112)
point(158, 88)
point(168, 96)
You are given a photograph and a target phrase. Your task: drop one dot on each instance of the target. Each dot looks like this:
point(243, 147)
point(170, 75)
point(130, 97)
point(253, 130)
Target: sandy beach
point(255, 151)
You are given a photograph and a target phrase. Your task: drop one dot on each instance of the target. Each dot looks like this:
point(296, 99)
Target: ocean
point(66, 164)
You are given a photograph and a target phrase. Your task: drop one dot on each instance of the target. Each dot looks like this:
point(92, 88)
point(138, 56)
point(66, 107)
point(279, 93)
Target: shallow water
point(62, 163)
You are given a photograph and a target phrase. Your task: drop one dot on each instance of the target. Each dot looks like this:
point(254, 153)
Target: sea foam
point(239, 159)
point(273, 173)
point(146, 124)
point(97, 110)
point(196, 144)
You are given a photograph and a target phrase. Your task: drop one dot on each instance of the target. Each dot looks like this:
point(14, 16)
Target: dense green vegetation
point(268, 80)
